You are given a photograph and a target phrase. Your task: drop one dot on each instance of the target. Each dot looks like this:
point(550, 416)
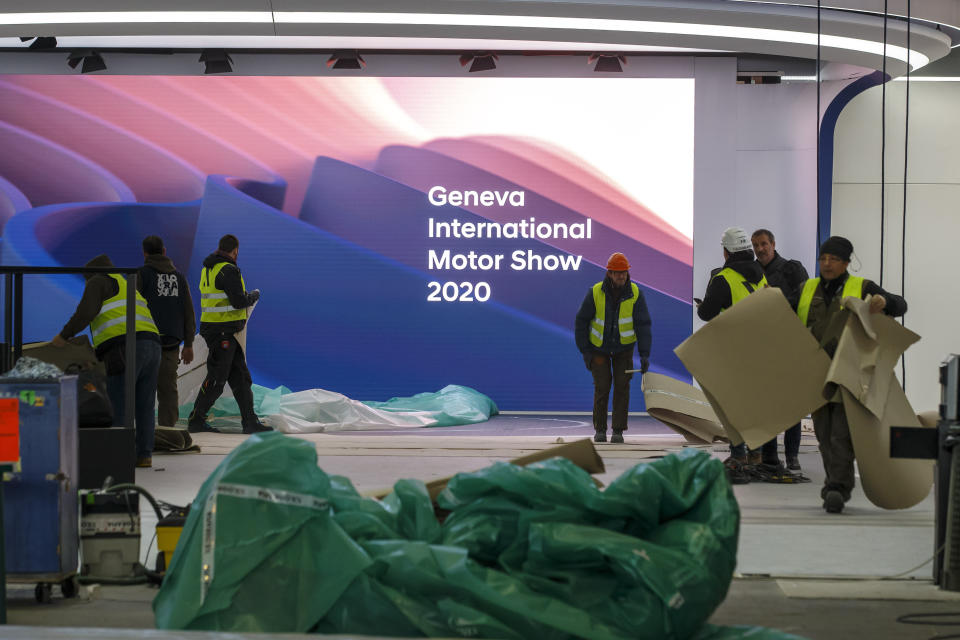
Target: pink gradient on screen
point(161, 135)
point(152, 172)
point(538, 167)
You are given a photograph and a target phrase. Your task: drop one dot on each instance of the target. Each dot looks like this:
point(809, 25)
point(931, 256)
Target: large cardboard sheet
point(682, 407)
point(863, 370)
point(868, 350)
point(761, 369)
point(889, 483)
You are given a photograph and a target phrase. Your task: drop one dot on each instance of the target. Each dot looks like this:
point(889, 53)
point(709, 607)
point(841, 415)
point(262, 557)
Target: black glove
point(588, 360)
point(253, 296)
point(644, 364)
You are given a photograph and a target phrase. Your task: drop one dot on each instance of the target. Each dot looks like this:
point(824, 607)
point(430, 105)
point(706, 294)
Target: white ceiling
point(850, 31)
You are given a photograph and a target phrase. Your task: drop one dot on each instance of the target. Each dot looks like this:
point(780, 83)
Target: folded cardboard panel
point(868, 350)
point(682, 407)
point(761, 369)
point(889, 483)
point(863, 370)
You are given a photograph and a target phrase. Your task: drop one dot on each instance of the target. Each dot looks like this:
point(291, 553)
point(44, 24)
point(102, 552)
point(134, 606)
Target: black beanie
point(837, 246)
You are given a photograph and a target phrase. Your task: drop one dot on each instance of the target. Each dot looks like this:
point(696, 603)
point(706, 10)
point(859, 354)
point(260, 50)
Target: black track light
point(216, 61)
point(92, 61)
point(346, 60)
point(607, 62)
point(40, 42)
point(481, 61)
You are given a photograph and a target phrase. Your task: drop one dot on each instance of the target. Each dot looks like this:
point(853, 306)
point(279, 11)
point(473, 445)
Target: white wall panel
point(933, 215)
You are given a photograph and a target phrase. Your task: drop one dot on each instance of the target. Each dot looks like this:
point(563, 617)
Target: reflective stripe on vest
point(852, 287)
point(624, 322)
point(214, 304)
point(740, 288)
point(111, 321)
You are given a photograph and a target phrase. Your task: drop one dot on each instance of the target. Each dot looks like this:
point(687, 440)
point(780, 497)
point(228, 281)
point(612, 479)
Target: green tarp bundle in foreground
point(274, 544)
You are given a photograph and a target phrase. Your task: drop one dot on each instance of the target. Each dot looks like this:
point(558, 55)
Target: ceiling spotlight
point(607, 62)
point(40, 42)
point(481, 61)
point(346, 60)
point(91, 61)
point(216, 61)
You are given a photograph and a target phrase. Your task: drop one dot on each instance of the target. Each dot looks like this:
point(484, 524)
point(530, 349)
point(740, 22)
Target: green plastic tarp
point(316, 410)
point(273, 544)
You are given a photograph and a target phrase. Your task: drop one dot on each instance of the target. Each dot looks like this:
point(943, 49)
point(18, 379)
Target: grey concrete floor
point(799, 569)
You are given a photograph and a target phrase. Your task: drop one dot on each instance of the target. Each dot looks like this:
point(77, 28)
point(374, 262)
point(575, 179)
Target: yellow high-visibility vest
point(112, 319)
point(214, 304)
point(852, 287)
point(739, 287)
point(625, 321)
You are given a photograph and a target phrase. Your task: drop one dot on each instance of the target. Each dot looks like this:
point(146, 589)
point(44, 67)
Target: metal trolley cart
point(41, 534)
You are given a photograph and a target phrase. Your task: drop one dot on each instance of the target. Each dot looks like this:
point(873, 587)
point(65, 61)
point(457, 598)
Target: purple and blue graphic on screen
point(407, 233)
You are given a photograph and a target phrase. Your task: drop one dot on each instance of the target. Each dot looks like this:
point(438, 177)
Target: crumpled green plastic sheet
point(450, 406)
point(273, 544)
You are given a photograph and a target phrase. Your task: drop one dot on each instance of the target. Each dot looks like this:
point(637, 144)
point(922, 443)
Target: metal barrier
point(12, 347)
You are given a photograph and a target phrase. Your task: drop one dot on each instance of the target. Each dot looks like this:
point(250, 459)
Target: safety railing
point(12, 347)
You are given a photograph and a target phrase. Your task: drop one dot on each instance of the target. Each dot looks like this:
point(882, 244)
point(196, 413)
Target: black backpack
point(93, 403)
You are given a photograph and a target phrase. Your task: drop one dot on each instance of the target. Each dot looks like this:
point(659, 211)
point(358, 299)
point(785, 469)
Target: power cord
point(931, 619)
point(909, 571)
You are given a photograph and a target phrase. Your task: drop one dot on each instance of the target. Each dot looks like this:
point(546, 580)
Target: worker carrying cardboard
point(820, 307)
point(224, 301)
point(739, 276)
point(612, 319)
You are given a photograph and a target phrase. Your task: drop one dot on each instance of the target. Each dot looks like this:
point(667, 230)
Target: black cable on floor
point(921, 618)
point(931, 619)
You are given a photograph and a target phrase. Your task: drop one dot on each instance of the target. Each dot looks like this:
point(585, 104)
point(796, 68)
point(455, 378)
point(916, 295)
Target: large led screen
point(406, 233)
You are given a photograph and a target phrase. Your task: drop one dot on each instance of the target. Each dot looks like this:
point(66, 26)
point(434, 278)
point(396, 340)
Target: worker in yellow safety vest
point(739, 276)
point(820, 309)
point(612, 320)
point(103, 307)
point(224, 304)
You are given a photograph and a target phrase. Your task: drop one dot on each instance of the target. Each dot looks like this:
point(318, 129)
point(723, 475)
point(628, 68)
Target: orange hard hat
point(618, 262)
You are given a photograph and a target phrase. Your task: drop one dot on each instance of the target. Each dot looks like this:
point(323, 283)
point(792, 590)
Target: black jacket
point(611, 331)
point(228, 281)
point(99, 287)
point(168, 296)
point(826, 317)
point(718, 297)
point(786, 275)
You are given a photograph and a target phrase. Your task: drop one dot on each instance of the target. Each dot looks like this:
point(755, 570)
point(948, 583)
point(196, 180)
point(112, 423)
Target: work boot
point(600, 436)
point(735, 470)
point(201, 428)
point(793, 463)
point(833, 502)
point(754, 457)
point(617, 437)
point(145, 462)
point(257, 427)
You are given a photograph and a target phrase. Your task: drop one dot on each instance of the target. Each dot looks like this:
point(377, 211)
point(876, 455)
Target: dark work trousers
point(607, 369)
point(791, 446)
point(226, 363)
point(768, 452)
point(167, 401)
point(145, 394)
point(836, 448)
